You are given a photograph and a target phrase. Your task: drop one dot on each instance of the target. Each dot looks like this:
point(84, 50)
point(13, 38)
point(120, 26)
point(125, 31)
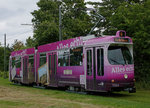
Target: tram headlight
point(125, 76)
point(112, 80)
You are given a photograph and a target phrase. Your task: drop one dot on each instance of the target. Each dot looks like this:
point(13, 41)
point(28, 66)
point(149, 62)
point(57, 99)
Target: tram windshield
point(119, 55)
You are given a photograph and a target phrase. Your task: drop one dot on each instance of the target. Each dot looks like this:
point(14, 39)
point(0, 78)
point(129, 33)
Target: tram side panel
point(21, 68)
point(58, 68)
point(70, 67)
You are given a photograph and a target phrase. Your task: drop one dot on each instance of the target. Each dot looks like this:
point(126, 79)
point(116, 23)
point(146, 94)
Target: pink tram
point(89, 63)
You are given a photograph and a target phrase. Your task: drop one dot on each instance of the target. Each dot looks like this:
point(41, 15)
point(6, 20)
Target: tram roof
point(23, 52)
point(78, 41)
point(120, 37)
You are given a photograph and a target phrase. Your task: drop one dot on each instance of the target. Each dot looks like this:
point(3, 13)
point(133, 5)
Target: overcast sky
point(13, 13)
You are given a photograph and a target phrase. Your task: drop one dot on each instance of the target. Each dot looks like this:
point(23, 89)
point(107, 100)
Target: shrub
point(4, 74)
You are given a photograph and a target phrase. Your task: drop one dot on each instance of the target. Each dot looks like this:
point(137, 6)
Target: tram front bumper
point(122, 87)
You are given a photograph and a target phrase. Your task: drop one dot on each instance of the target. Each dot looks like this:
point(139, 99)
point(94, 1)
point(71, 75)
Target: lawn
point(16, 96)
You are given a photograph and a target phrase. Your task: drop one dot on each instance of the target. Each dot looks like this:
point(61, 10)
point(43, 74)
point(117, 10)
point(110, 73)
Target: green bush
point(143, 85)
point(4, 74)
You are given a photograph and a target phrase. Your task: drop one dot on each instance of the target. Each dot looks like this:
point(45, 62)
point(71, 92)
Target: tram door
point(52, 62)
point(94, 67)
point(25, 69)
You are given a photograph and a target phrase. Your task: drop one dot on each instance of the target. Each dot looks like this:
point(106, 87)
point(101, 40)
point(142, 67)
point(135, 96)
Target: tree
point(46, 22)
point(75, 20)
point(30, 42)
point(8, 50)
point(107, 8)
point(135, 18)
point(18, 45)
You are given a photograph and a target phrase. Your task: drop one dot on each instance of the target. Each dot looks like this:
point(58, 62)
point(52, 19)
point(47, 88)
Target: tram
point(89, 63)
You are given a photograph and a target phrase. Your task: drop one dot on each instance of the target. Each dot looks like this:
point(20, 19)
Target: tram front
point(120, 68)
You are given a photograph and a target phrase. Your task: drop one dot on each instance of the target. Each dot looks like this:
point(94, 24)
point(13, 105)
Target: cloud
point(8, 13)
point(13, 13)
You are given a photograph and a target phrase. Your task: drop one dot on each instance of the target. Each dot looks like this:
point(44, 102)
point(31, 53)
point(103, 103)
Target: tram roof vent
point(88, 37)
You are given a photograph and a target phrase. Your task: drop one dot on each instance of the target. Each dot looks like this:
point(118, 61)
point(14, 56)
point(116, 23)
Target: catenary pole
point(4, 55)
point(60, 24)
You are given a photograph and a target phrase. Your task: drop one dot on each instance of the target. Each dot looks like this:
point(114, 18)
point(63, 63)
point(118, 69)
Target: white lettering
point(113, 70)
point(77, 42)
point(122, 70)
point(21, 54)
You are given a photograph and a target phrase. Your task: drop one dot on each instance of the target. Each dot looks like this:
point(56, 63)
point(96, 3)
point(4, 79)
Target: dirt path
point(19, 98)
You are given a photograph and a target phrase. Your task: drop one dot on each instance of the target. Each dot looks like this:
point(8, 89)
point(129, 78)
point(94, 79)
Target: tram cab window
point(42, 59)
point(63, 57)
point(119, 55)
point(76, 56)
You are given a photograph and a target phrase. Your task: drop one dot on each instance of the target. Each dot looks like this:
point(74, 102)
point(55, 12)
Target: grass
point(15, 96)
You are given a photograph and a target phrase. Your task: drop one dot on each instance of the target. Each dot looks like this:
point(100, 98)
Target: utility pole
point(4, 55)
point(60, 24)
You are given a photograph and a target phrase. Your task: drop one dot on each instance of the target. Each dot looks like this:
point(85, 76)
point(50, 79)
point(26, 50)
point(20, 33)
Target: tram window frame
point(76, 56)
point(50, 57)
point(63, 57)
point(42, 59)
point(89, 58)
point(100, 62)
point(55, 63)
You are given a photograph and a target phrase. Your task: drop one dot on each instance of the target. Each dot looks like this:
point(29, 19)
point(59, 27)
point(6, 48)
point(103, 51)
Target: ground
point(17, 96)
point(20, 98)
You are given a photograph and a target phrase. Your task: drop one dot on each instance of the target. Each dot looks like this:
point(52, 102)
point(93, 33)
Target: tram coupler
point(131, 90)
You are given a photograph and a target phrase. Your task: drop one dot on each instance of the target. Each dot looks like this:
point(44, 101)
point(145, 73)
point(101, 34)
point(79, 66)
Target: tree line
point(133, 16)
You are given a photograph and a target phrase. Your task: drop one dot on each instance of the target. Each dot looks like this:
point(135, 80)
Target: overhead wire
point(17, 35)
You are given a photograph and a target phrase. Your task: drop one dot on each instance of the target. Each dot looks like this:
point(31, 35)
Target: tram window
point(31, 60)
point(42, 59)
point(63, 60)
point(63, 57)
point(119, 55)
point(55, 61)
point(18, 62)
point(100, 62)
point(89, 62)
point(13, 61)
point(76, 56)
point(127, 56)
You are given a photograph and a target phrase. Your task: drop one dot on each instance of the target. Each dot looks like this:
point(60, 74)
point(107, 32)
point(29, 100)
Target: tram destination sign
point(121, 39)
